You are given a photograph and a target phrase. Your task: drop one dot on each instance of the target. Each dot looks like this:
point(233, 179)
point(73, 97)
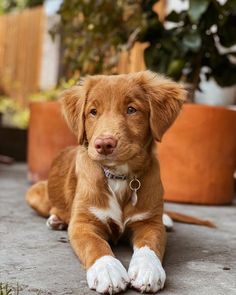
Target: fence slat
point(21, 36)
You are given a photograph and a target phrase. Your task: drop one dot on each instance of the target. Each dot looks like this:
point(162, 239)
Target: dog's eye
point(93, 112)
point(131, 110)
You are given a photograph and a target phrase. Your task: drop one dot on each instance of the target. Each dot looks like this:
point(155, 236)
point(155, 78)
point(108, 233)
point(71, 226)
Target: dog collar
point(111, 175)
point(134, 183)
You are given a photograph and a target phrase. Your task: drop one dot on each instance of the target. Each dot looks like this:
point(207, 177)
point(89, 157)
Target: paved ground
point(198, 260)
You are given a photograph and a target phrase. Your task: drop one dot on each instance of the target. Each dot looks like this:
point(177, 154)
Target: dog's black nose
point(105, 145)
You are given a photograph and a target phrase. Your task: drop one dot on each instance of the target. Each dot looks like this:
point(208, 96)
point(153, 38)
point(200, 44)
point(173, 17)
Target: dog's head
point(118, 116)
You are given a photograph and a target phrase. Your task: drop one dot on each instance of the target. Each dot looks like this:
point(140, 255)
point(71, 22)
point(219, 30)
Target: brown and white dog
point(110, 183)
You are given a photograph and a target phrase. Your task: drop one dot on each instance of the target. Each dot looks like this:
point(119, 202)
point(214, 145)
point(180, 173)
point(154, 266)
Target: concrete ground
point(198, 260)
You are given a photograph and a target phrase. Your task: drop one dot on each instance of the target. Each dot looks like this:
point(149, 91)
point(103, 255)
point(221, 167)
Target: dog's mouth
point(134, 156)
point(111, 160)
point(106, 160)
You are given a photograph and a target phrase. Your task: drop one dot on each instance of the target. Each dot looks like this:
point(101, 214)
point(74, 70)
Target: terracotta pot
point(198, 156)
point(48, 135)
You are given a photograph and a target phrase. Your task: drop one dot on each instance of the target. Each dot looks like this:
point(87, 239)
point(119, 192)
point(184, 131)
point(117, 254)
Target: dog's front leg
point(145, 270)
point(105, 273)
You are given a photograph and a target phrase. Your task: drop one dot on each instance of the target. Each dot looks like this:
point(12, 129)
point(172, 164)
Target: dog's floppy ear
point(165, 98)
point(73, 103)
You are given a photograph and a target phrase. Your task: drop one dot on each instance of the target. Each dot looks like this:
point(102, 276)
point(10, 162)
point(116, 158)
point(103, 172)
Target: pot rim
point(217, 108)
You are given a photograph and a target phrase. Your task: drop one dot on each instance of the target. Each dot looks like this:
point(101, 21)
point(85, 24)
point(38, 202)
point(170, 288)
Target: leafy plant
point(94, 31)
point(14, 115)
point(194, 42)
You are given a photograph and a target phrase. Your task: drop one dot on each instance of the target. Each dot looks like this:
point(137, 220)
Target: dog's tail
point(37, 198)
point(169, 216)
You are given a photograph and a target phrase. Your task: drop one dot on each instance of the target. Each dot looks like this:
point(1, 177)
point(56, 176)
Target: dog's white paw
point(107, 275)
point(145, 271)
point(55, 223)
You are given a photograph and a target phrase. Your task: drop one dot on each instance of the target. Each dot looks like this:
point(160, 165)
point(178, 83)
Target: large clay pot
point(198, 156)
point(48, 135)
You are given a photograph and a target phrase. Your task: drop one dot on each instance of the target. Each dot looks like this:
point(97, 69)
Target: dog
point(109, 185)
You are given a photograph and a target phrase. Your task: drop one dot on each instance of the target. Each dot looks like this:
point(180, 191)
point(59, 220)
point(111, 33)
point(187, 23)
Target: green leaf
point(227, 33)
point(228, 78)
point(175, 67)
point(153, 61)
point(151, 57)
point(173, 17)
point(223, 71)
point(147, 5)
point(231, 4)
point(192, 41)
point(211, 17)
point(197, 8)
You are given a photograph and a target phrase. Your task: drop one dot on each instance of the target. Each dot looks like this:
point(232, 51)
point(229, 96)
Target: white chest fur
point(113, 212)
point(117, 187)
point(117, 190)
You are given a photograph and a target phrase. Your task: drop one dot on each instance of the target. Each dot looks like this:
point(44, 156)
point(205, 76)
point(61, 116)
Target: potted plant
point(41, 123)
point(198, 154)
point(48, 132)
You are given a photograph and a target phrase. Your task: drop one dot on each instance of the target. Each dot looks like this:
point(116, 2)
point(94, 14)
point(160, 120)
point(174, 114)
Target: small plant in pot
point(36, 120)
point(198, 154)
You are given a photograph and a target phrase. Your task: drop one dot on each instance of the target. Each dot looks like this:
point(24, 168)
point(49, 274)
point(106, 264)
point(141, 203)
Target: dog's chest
point(114, 216)
point(118, 187)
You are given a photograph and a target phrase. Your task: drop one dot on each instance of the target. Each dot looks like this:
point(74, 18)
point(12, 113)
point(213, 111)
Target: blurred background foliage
point(16, 5)
point(199, 38)
point(94, 32)
point(16, 115)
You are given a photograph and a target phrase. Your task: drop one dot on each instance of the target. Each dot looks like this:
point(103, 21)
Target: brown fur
point(190, 219)
point(37, 198)
point(77, 182)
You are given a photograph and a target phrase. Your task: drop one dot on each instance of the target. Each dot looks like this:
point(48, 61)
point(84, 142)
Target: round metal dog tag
point(134, 184)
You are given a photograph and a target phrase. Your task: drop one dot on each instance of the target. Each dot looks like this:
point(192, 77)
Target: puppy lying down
point(110, 183)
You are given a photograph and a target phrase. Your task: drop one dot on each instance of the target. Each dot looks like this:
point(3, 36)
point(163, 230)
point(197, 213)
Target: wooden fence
point(21, 43)
point(21, 37)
